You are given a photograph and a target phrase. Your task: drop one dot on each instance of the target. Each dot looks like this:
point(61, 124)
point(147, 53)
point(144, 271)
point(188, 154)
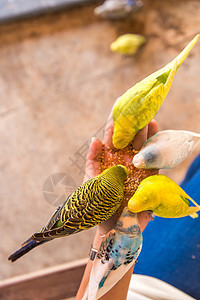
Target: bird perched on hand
point(117, 254)
point(128, 44)
point(164, 197)
point(166, 149)
point(137, 106)
point(90, 204)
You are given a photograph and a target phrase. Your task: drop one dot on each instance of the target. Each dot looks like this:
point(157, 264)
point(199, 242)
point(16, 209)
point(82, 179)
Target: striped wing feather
point(91, 204)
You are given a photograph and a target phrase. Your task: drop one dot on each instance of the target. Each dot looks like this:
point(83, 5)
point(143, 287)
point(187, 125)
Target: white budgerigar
point(166, 149)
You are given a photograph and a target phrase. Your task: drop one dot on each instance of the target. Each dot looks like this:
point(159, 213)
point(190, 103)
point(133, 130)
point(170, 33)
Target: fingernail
point(92, 139)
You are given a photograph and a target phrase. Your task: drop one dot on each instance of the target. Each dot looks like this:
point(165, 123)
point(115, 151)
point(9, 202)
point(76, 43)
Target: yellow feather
point(128, 44)
point(137, 106)
point(164, 197)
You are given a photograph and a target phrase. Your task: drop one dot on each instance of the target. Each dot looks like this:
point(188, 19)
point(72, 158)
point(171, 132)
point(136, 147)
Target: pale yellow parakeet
point(164, 197)
point(128, 44)
point(138, 105)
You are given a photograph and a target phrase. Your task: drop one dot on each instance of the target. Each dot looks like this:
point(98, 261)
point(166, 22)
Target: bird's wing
point(187, 198)
point(192, 210)
point(104, 267)
point(78, 212)
point(196, 204)
point(54, 218)
point(116, 271)
point(113, 277)
point(101, 267)
point(52, 227)
point(99, 273)
point(49, 225)
point(106, 271)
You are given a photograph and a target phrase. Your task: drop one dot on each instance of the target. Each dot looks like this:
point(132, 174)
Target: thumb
point(93, 159)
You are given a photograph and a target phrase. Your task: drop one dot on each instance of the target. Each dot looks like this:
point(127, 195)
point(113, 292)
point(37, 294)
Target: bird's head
point(120, 172)
point(145, 198)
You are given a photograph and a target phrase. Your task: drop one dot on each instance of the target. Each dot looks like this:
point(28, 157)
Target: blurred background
point(58, 82)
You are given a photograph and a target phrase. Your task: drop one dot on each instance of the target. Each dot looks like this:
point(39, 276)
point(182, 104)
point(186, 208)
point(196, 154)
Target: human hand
point(104, 155)
point(101, 156)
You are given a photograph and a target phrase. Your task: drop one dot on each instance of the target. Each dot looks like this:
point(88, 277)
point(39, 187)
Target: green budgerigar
point(90, 204)
point(128, 44)
point(164, 197)
point(137, 106)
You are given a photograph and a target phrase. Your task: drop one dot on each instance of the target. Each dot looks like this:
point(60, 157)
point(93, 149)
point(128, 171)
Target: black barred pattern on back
point(54, 218)
point(92, 203)
point(106, 246)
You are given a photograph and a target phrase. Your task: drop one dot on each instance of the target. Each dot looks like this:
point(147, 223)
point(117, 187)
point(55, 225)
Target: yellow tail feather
point(196, 204)
point(184, 54)
point(177, 60)
point(194, 215)
point(170, 78)
point(192, 212)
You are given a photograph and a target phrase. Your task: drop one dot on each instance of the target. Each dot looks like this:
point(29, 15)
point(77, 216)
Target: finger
point(152, 128)
point(140, 138)
point(143, 217)
point(109, 129)
point(93, 159)
point(95, 150)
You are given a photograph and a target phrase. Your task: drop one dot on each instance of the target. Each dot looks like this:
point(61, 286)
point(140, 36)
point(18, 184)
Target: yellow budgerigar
point(128, 44)
point(164, 197)
point(137, 106)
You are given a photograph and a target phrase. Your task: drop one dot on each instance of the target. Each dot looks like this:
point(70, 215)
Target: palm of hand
point(102, 156)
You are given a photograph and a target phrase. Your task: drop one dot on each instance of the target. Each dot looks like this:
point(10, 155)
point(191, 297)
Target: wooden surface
point(14, 9)
point(53, 283)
